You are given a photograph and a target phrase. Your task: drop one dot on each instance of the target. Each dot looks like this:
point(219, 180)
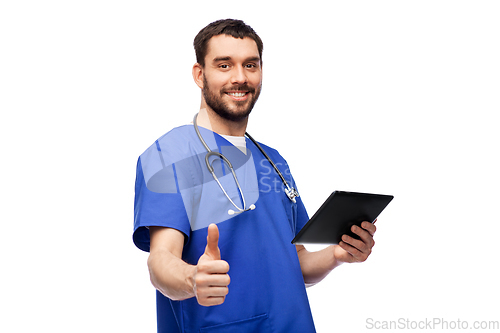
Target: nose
point(238, 75)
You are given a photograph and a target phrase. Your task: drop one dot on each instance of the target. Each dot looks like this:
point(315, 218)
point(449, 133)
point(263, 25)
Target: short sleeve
point(157, 208)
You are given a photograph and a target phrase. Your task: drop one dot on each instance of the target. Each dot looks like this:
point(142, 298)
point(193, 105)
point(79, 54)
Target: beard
point(241, 110)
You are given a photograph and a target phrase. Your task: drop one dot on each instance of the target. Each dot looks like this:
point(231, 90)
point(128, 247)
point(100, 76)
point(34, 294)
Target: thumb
point(212, 249)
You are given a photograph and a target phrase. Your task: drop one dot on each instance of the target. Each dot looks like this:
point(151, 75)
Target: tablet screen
point(338, 214)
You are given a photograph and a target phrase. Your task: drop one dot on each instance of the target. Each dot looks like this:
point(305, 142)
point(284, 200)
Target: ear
point(198, 75)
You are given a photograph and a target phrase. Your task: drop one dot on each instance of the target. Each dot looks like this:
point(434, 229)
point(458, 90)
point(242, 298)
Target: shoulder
point(172, 142)
point(177, 136)
point(273, 153)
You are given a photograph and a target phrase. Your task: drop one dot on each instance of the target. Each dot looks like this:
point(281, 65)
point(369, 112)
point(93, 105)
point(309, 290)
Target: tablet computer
point(338, 214)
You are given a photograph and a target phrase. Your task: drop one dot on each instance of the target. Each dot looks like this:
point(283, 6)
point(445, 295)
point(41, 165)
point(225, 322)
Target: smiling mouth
point(238, 96)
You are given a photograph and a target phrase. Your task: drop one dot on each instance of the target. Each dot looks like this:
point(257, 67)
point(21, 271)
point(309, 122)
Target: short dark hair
point(235, 28)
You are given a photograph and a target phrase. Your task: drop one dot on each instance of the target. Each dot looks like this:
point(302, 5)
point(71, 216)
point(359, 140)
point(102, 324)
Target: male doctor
point(216, 272)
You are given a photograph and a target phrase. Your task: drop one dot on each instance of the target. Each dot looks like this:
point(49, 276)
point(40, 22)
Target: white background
point(393, 97)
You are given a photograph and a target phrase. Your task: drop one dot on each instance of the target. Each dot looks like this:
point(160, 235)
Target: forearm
point(171, 275)
point(316, 266)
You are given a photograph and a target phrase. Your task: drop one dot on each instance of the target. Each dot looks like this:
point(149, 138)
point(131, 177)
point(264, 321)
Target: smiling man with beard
point(217, 271)
point(244, 98)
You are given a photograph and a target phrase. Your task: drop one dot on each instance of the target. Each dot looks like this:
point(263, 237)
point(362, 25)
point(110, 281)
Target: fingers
point(212, 249)
point(212, 300)
point(211, 282)
point(211, 296)
point(211, 289)
point(211, 279)
point(370, 227)
point(213, 266)
point(359, 249)
point(355, 255)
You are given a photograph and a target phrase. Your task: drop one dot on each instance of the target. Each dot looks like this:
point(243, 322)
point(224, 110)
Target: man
point(220, 272)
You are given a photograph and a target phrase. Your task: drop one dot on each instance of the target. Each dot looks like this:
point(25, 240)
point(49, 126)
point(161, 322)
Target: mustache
point(242, 87)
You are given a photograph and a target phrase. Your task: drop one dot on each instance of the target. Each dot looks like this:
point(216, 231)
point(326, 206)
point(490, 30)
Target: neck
point(208, 119)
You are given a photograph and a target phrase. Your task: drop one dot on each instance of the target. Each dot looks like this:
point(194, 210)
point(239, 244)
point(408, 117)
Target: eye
point(224, 66)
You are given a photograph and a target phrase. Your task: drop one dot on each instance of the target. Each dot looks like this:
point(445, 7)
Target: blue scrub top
point(174, 189)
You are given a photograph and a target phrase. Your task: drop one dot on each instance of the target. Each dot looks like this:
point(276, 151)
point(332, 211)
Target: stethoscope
point(290, 192)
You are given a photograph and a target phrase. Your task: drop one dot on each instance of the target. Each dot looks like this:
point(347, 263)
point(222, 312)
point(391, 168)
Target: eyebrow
point(222, 59)
point(227, 58)
point(257, 59)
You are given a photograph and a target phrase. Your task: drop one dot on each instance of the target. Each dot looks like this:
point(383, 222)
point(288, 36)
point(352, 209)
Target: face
point(232, 77)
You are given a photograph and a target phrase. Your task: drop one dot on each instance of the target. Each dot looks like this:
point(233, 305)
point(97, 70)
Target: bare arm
point(174, 278)
point(168, 272)
point(316, 266)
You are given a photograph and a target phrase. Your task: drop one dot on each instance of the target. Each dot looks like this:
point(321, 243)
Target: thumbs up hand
point(211, 278)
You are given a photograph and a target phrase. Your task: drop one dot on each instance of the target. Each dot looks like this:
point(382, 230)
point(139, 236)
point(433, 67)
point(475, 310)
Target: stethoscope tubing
point(290, 192)
point(270, 161)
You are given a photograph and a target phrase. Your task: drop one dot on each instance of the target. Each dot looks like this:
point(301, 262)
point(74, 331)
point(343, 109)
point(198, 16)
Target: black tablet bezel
point(338, 214)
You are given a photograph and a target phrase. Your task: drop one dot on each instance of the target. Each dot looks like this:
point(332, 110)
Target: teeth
point(237, 94)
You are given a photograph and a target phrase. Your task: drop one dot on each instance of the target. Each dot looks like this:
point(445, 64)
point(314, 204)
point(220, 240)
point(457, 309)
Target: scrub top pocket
point(255, 324)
